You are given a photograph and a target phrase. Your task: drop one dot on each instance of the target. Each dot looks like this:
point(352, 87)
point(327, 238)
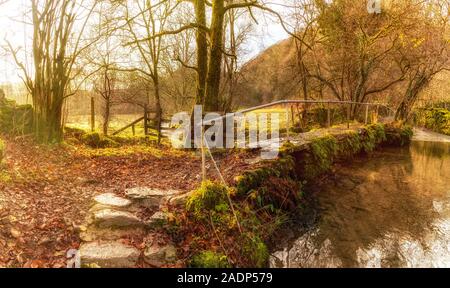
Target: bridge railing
point(326, 103)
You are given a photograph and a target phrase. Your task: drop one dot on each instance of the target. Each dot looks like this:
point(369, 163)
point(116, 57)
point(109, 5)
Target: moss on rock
point(209, 197)
point(209, 259)
point(96, 140)
point(255, 250)
point(15, 119)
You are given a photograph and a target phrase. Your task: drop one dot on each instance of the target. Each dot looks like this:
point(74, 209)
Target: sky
point(12, 28)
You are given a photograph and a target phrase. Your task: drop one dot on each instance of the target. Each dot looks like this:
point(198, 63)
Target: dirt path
point(45, 193)
point(422, 134)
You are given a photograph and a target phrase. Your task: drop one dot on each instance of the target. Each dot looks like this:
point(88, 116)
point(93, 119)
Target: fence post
point(293, 115)
point(146, 120)
point(92, 114)
point(202, 147)
point(376, 115)
point(367, 115)
point(328, 115)
point(288, 123)
point(133, 128)
point(348, 115)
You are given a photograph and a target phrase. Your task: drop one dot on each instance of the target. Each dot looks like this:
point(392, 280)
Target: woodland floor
point(45, 192)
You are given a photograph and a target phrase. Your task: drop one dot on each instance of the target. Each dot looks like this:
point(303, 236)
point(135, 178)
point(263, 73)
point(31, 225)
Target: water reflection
point(392, 210)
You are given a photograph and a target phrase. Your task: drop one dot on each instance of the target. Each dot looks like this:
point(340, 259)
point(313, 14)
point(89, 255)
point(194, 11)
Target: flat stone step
point(109, 255)
point(109, 218)
point(93, 233)
point(112, 200)
point(179, 200)
point(158, 256)
point(150, 198)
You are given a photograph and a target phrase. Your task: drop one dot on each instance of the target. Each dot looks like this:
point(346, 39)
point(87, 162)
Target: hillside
point(270, 76)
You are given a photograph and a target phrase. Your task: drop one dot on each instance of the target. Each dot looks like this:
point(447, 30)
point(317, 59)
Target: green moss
point(320, 157)
point(210, 259)
point(406, 135)
point(373, 136)
point(255, 250)
point(15, 119)
point(350, 145)
point(324, 150)
point(283, 167)
point(95, 140)
point(209, 197)
point(74, 132)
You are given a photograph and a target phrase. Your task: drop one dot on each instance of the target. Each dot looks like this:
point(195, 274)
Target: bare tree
point(234, 38)
point(355, 48)
point(210, 57)
point(145, 19)
point(425, 51)
point(57, 43)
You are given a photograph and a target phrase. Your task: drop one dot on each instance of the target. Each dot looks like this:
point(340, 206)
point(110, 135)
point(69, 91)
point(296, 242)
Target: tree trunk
point(414, 88)
point(47, 116)
point(202, 51)
point(158, 110)
point(213, 80)
point(106, 116)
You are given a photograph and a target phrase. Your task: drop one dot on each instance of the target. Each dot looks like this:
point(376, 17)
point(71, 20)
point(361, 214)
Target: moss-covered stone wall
point(265, 197)
point(15, 119)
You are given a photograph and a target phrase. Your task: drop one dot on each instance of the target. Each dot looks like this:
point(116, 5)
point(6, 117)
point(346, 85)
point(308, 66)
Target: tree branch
point(172, 32)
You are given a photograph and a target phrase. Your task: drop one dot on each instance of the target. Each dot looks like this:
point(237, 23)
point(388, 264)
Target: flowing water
point(389, 210)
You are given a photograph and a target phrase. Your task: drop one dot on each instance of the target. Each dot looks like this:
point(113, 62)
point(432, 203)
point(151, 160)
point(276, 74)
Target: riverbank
point(265, 198)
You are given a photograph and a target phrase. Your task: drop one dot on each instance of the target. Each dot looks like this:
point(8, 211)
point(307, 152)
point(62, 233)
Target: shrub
point(399, 136)
point(210, 259)
point(436, 119)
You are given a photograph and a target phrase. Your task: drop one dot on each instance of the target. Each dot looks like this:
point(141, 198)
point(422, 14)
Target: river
point(390, 209)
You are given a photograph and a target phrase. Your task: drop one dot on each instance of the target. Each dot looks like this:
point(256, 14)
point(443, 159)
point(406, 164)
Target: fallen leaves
point(43, 207)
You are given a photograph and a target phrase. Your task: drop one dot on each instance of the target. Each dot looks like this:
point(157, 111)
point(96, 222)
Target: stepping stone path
point(150, 198)
point(109, 255)
point(113, 219)
point(110, 199)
